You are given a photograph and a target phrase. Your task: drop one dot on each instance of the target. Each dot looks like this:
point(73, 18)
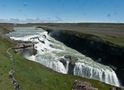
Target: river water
point(57, 56)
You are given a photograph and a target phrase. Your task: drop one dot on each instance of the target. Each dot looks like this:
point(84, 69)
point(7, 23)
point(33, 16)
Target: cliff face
point(99, 51)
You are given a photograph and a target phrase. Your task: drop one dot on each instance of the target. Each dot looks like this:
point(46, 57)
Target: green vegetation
point(107, 32)
point(34, 76)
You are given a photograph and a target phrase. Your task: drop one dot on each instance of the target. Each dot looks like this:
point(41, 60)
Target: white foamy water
point(50, 51)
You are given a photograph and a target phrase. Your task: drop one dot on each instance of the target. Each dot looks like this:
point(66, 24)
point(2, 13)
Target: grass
point(5, 65)
point(34, 76)
point(109, 32)
point(112, 33)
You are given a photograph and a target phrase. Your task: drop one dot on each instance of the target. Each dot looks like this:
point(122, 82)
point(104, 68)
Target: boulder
point(82, 85)
point(115, 88)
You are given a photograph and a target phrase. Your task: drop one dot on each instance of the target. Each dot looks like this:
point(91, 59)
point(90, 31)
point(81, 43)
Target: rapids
point(57, 56)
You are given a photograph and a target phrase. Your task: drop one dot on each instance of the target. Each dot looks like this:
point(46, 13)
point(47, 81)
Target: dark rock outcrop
point(72, 61)
point(71, 58)
point(102, 52)
point(115, 88)
point(23, 47)
point(63, 61)
point(81, 85)
point(71, 67)
point(71, 64)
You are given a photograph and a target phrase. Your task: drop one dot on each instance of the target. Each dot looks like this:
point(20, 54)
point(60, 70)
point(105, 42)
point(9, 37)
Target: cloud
point(30, 20)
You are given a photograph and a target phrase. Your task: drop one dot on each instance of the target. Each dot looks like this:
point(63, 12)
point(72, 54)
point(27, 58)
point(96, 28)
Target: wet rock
point(17, 87)
point(63, 61)
point(115, 88)
point(67, 57)
point(49, 40)
point(71, 58)
point(51, 45)
point(34, 52)
point(82, 85)
point(41, 41)
point(71, 67)
point(94, 48)
point(44, 36)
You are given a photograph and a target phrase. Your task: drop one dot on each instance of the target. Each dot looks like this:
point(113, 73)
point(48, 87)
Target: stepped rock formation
point(57, 56)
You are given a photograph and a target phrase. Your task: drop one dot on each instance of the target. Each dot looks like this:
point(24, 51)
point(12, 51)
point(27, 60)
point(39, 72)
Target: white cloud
point(30, 20)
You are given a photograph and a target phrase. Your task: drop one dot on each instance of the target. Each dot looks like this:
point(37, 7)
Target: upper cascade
point(57, 56)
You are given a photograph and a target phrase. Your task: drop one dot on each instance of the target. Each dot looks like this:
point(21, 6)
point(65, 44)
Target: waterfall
point(55, 55)
point(51, 63)
point(105, 75)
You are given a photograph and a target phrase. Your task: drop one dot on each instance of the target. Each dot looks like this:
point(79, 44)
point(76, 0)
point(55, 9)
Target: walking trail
point(12, 71)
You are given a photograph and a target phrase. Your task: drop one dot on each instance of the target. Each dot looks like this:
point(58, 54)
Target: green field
point(107, 32)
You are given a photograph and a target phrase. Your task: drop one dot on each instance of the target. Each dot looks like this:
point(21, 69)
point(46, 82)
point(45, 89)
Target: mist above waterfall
point(57, 56)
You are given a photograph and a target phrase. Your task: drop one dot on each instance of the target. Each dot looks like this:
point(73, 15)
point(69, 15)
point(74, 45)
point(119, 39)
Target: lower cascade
point(55, 55)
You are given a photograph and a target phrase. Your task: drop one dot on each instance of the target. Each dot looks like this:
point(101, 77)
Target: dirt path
point(12, 71)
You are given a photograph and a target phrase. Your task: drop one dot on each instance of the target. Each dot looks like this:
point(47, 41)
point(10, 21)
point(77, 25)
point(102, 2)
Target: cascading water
point(57, 56)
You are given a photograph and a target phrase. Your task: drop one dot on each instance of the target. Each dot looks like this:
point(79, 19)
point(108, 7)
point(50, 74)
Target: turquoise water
point(24, 31)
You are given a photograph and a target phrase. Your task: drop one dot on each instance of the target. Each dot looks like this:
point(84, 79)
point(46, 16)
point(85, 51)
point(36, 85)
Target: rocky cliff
point(99, 50)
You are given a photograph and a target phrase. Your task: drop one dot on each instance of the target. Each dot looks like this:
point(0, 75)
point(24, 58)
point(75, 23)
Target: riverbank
point(34, 76)
point(95, 46)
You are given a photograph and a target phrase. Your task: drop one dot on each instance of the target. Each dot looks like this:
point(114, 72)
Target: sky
point(62, 11)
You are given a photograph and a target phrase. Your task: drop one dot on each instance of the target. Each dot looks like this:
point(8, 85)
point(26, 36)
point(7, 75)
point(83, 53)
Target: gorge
point(54, 54)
